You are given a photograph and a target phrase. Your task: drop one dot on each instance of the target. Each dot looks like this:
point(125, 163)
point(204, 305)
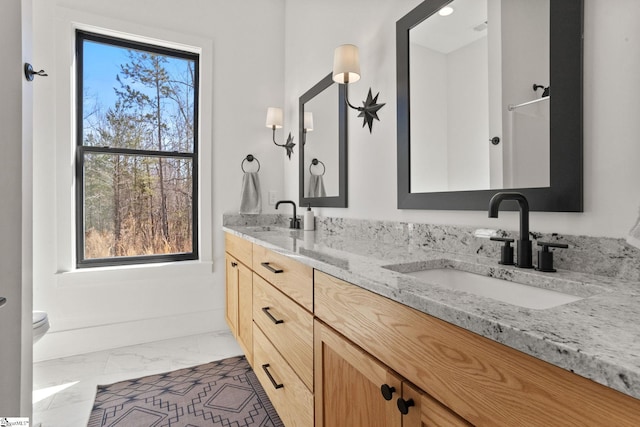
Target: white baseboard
point(56, 344)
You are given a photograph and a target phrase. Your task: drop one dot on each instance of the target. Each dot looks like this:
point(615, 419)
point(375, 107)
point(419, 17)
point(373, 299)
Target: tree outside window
point(136, 164)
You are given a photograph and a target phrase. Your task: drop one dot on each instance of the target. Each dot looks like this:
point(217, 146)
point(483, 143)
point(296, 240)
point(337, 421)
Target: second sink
point(498, 289)
point(522, 288)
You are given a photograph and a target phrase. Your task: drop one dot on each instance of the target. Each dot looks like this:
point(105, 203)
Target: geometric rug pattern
point(222, 393)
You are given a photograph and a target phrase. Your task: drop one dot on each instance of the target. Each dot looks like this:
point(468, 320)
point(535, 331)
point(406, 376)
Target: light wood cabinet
point(428, 412)
point(287, 325)
point(245, 311)
point(354, 389)
point(484, 382)
point(231, 297)
point(239, 293)
point(289, 395)
point(289, 276)
point(283, 334)
point(329, 369)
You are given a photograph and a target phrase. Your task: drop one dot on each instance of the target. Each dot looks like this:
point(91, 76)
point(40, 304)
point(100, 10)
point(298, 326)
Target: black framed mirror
point(557, 99)
point(323, 145)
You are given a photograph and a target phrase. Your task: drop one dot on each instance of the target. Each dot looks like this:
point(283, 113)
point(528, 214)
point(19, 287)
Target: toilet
point(40, 325)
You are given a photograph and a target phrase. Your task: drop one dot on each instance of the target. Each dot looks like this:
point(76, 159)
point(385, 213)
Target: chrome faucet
point(294, 222)
point(524, 244)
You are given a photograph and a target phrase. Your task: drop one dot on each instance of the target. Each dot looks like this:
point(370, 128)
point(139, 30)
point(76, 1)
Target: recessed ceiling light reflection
point(445, 11)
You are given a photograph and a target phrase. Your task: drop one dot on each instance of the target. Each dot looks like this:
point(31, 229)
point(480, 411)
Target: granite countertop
point(597, 337)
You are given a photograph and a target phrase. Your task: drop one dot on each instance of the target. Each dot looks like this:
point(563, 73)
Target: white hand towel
point(316, 186)
point(634, 234)
point(251, 202)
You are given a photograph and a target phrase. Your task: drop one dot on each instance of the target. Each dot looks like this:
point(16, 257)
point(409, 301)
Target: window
point(137, 152)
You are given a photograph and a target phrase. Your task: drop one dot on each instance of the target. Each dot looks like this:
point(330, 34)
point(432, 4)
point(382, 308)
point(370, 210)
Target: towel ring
point(314, 162)
point(249, 158)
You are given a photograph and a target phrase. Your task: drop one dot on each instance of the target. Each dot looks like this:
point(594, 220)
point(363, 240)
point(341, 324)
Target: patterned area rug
point(222, 393)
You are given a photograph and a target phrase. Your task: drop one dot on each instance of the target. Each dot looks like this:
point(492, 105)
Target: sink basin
point(518, 294)
point(264, 228)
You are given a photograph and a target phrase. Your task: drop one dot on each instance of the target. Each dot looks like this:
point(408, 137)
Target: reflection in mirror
point(490, 98)
point(322, 114)
point(321, 144)
point(465, 95)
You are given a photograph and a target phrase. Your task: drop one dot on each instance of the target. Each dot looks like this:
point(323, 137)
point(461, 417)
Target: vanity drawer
point(485, 382)
point(288, 394)
point(292, 278)
point(287, 325)
point(241, 249)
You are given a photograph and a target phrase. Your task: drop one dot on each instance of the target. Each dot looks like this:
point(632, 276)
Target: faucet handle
point(506, 252)
point(294, 222)
point(545, 257)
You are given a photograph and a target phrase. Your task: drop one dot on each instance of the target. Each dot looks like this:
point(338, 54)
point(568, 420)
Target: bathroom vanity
point(338, 339)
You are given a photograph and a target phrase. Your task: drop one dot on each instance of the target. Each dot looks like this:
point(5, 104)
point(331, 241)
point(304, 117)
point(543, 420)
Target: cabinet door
point(424, 411)
point(231, 311)
point(245, 311)
point(348, 385)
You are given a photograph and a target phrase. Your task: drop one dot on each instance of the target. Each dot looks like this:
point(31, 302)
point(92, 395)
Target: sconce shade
point(346, 64)
point(308, 121)
point(274, 117)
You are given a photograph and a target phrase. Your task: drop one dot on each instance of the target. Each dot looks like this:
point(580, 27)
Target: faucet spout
point(524, 244)
point(295, 222)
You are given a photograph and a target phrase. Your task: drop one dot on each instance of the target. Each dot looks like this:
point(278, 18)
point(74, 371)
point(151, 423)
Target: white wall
point(429, 150)
point(611, 111)
point(15, 211)
point(468, 103)
point(248, 60)
point(241, 75)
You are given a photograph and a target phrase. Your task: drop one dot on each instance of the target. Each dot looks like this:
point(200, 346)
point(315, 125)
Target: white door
point(15, 352)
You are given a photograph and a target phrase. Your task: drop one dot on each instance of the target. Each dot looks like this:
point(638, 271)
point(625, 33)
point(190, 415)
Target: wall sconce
point(346, 69)
point(274, 121)
point(308, 126)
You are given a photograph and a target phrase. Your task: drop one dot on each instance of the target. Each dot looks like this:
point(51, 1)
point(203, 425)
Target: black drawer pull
point(275, 384)
point(271, 269)
point(234, 264)
point(387, 391)
point(265, 310)
point(404, 405)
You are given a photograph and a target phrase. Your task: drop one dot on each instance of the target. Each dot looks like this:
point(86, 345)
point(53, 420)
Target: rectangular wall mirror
point(323, 141)
point(490, 99)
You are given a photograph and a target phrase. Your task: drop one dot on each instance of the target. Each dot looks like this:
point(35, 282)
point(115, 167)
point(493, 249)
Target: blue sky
point(102, 65)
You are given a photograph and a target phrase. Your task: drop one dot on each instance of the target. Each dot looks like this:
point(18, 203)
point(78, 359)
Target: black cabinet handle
point(271, 269)
point(404, 405)
point(265, 310)
point(234, 264)
point(266, 371)
point(387, 391)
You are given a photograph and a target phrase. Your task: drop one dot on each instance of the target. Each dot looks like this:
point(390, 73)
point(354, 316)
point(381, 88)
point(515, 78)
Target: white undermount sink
point(491, 287)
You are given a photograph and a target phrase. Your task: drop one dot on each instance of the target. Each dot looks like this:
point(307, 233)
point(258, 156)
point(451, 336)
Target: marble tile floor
point(64, 389)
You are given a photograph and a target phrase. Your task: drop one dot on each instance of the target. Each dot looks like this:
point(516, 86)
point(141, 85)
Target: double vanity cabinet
point(329, 353)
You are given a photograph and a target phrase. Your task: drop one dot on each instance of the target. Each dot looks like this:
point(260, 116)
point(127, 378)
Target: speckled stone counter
point(597, 337)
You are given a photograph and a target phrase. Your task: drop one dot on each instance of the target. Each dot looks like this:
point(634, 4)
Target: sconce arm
point(274, 137)
point(346, 98)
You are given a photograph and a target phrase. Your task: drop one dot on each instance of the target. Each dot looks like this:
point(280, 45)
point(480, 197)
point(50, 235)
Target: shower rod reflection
point(512, 107)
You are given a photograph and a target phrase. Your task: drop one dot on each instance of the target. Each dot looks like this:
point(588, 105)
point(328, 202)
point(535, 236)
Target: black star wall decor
point(289, 146)
point(369, 110)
